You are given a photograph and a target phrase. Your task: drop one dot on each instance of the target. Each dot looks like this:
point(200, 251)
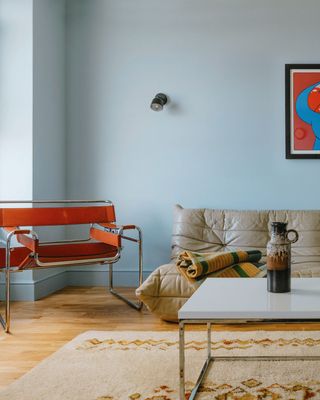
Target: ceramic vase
point(279, 257)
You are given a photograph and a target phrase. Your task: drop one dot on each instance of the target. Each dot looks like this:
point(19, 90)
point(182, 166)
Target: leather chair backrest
point(45, 216)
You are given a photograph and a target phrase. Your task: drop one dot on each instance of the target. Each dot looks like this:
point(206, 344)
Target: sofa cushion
point(206, 230)
point(165, 290)
point(203, 230)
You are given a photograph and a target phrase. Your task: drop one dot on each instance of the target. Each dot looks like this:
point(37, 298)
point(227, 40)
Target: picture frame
point(302, 98)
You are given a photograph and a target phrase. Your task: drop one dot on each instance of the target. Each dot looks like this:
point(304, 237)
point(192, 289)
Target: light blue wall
point(16, 99)
point(32, 115)
point(220, 142)
point(49, 105)
point(16, 123)
point(49, 120)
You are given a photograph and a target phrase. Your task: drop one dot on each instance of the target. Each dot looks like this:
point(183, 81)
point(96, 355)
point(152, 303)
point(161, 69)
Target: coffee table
point(240, 300)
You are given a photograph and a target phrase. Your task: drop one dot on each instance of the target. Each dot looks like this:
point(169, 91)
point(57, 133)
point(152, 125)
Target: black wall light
point(158, 102)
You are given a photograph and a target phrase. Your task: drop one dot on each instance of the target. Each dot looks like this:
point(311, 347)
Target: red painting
point(303, 111)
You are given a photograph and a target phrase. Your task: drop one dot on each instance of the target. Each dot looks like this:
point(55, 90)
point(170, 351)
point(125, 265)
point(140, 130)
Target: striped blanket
point(196, 266)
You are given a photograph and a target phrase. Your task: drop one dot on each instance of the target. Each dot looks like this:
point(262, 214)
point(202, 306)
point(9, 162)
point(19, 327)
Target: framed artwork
point(302, 110)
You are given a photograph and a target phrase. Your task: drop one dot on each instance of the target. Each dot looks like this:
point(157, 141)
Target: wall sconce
point(158, 102)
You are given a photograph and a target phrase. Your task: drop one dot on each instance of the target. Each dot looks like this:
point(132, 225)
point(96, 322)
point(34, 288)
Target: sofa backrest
point(206, 230)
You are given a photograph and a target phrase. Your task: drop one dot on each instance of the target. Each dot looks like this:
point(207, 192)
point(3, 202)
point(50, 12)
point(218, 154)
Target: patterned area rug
point(144, 366)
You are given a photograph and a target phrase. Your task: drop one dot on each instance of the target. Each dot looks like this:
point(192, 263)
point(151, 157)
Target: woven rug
point(144, 366)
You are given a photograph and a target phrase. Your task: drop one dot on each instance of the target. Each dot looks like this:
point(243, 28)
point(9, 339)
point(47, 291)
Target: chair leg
point(136, 305)
point(7, 325)
point(5, 322)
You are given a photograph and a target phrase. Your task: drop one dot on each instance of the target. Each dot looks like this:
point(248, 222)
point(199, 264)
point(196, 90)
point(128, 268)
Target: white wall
point(220, 143)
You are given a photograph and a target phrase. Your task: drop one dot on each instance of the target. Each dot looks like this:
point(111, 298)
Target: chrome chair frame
point(138, 305)
point(6, 319)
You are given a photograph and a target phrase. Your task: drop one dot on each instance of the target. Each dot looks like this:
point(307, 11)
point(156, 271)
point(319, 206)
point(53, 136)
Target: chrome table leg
point(210, 358)
point(209, 340)
point(181, 361)
point(205, 365)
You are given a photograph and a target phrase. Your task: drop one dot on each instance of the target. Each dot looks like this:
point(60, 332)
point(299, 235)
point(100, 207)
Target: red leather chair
point(102, 246)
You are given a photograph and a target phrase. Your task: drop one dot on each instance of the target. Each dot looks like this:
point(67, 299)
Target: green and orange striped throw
point(195, 266)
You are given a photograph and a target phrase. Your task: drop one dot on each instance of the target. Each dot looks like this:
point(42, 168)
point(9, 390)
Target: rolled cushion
point(165, 291)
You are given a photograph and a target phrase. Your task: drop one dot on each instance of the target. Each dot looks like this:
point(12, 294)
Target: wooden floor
point(40, 328)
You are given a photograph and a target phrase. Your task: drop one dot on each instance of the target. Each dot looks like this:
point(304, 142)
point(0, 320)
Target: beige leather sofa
point(204, 230)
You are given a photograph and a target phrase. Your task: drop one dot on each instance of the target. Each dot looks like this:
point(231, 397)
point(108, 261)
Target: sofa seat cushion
point(165, 290)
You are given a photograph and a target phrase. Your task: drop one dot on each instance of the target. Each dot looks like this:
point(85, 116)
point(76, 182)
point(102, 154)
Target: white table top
point(248, 298)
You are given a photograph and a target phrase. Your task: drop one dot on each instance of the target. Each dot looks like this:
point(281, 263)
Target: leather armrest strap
point(26, 241)
point(106, 237)
point(115, 226)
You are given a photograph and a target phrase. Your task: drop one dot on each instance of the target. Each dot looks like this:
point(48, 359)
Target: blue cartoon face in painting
point(308, 109)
